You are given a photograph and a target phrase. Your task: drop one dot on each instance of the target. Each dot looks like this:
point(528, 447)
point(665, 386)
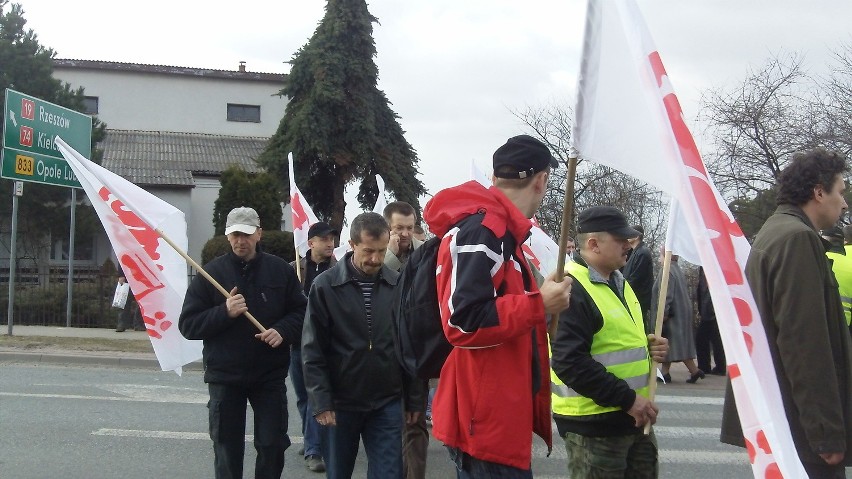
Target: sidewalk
point(125, 349)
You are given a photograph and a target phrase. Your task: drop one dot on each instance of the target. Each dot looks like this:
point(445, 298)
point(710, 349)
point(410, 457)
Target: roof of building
point(164, 158)
point(167, 70)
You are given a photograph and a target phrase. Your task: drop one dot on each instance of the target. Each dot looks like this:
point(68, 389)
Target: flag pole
point(567, 215)
point(658, 327)
point(298, 262)
point(206, 275)
point(661, 302)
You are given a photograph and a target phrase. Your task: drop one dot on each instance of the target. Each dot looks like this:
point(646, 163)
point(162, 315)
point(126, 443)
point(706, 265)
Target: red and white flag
point(155, 271)
point(628, 117)
point(303, 215)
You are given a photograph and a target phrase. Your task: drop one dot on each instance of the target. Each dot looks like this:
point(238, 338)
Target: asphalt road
point(83, 421)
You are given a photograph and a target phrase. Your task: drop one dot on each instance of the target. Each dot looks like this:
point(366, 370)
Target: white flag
point(628, 118)
point(381, 202)
point(378, 208)
point(155, 271)
point(303, 215)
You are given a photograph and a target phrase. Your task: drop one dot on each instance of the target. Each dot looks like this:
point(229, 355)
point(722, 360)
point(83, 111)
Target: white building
point(173, 130)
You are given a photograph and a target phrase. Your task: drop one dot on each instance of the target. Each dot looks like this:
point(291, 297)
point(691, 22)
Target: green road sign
point(30, 126)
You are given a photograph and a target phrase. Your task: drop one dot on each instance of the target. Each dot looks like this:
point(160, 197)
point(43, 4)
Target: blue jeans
point(381, 431)
point(227, 409)
point(310, 427)
point(469, 467)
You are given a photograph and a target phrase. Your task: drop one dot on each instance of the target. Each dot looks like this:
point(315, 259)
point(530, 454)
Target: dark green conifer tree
point(338, 124)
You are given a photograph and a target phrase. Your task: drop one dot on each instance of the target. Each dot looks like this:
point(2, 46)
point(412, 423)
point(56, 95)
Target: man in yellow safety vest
point(601, 359)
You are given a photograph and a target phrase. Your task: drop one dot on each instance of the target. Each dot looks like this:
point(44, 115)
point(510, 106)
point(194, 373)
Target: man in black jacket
point(639, 272)
point(319, 258)
point(355, 383)
point(241, 364)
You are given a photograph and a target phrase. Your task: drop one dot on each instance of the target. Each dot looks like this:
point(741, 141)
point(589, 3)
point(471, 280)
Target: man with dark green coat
point(801, 312)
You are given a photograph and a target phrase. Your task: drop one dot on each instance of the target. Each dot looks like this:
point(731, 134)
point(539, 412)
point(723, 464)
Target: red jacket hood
point(451, 205)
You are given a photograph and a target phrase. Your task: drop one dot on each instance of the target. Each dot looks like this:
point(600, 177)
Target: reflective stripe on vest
point(621, 346)
point(841, 266)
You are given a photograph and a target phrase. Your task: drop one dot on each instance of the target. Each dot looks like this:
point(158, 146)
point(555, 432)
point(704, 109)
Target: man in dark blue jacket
point(241, 364)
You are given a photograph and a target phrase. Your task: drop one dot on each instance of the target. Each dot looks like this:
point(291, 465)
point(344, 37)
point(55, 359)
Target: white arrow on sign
point(12, 117)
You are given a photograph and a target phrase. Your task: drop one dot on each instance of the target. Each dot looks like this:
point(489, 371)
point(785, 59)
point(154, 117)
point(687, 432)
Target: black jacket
point(703, 298)
point(347, 365)
point(274, 297)
point(639, 272)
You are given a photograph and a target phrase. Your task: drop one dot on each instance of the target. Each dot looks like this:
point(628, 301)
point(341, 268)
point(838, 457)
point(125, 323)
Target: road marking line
point(682, 432)
point(169, 399)
point(697, 400)
point(668, 456)
point(194, 436)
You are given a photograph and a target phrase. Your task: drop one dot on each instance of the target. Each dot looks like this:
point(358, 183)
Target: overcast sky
point(454, 70)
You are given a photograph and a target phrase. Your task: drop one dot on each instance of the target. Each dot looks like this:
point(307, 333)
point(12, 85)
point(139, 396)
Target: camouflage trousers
point(614, 457)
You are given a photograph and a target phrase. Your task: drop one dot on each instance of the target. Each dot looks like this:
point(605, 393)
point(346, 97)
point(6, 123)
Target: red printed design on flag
point(300, 218)
point(715, 219)
point(528, 252)
point(147, 284)
point(147, 237)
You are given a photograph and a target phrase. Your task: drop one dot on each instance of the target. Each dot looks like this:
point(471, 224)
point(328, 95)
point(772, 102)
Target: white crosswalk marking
point(193, 436)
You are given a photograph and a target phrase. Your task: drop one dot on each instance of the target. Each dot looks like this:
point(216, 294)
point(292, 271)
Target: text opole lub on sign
point(29, 149)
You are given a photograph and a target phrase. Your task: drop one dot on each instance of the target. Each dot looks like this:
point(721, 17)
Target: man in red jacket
point(494, 389)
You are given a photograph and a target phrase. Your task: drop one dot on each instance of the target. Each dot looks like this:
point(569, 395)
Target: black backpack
point(420, 343)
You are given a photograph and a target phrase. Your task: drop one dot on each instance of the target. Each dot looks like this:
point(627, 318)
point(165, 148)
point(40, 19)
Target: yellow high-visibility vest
point(842, 267)
point(621, 346)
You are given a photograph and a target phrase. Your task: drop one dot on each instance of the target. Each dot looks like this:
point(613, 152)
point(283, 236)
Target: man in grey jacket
point(800, 308)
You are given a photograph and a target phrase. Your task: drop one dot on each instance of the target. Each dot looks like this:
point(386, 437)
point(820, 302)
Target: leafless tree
point(594, 184)
point(757, 125)
point(838, 101)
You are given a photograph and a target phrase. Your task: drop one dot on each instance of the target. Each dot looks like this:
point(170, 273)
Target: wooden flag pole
point(567, 215)
point(658, 327)
point(298, 263)
point(209, 278)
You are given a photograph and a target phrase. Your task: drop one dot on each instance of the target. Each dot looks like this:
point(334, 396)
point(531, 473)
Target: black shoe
point(667, 378)
point(699, 374)
point(717, 371)
point(315, 463)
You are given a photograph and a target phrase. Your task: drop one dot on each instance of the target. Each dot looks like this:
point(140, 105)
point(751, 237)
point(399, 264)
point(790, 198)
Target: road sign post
point(30, 154)
point(30, 126)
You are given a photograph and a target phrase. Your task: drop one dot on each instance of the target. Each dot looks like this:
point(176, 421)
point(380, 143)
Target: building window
point(244, 113)
point(90, 105)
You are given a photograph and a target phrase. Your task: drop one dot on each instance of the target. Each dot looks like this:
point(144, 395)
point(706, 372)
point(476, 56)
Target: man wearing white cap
point(240, 364)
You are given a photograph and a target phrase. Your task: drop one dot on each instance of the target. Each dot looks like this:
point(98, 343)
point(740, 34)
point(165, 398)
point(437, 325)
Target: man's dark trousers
point(381, 431)
point(310, 427)
point(227, 408)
